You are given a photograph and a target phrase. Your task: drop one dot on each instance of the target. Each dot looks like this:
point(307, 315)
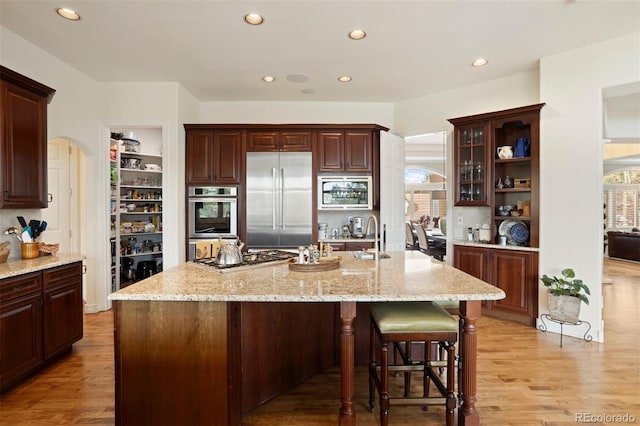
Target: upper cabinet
point(279, 141)
point(347, 151)
point(23, 141)
point(497, 162)
point(471, 159)
point(213, 156)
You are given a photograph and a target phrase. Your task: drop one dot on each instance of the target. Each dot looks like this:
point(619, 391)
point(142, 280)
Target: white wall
point(571, 84)
point(297, 112)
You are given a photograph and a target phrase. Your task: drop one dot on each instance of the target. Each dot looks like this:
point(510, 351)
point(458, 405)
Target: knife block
point(30, 250)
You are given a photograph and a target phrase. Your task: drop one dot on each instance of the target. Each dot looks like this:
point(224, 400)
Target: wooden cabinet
point(213, 157)
point(21, 327)
point(471, 159)
point(513, 271)
point(40, 317)
point(279, 141)
point(227, 151)
point(199, 157)
point(23, 141)
point(62, 308)
point(346, 151)
point(483, 177)
point(244, 354)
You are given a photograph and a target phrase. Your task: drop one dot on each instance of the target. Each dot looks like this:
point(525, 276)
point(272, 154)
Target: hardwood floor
point(524, 377)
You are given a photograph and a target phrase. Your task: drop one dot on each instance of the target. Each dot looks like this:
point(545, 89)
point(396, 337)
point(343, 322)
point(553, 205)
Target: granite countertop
point(24, 266)
point(406, 275)
point(493, 246)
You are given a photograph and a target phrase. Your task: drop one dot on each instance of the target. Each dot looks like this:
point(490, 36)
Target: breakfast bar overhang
point(178, 334)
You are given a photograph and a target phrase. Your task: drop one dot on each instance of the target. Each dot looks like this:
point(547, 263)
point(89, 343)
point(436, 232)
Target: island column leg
point(470, 310)
point(347, 363)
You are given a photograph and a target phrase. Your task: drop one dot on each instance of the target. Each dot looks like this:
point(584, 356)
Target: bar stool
point(395, 322)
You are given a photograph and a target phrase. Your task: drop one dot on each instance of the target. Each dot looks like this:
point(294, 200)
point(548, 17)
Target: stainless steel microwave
point(345, 193)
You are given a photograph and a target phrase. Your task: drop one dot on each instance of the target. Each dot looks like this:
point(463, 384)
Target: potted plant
point(565, 295)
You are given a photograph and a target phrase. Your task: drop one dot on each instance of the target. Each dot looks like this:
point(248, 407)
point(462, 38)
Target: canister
point(322, 231)
point(30, 250)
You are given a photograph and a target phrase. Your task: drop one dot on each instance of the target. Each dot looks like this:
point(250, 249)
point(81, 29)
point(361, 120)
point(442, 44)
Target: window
point(622, 200)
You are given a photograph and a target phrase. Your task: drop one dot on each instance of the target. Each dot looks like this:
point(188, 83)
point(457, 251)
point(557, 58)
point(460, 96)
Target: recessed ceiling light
point(480, 62)
point(344, 79)
point(253, 19)
point(268, 79)
point(68, 13)
point(357, 35)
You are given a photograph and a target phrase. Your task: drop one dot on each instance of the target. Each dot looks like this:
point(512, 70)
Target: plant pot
point(564, 308)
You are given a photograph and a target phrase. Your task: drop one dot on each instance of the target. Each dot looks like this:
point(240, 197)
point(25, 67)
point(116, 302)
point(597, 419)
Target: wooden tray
point(325, 264)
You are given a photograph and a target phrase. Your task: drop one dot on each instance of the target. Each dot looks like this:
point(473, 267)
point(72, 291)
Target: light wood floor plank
point(524, 377)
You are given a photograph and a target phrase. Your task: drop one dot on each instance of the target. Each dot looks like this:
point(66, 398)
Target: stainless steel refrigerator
point(279, 203)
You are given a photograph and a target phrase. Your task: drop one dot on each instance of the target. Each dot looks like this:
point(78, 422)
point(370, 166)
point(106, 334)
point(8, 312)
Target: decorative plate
point(519, 233)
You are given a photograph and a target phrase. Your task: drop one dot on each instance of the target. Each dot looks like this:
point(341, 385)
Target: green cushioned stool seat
point(394, 323)
point(412, 317)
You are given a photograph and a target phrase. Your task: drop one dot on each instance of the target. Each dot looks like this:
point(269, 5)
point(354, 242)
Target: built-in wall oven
point(211, 212)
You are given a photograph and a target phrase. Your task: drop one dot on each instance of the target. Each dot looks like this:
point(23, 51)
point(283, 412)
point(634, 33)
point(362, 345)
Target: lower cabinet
point(234, 357)
point(351, 246)
point(513, 271)
point(40, 317)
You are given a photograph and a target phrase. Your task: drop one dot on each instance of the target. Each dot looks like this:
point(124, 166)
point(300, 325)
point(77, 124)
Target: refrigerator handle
point(273, 197)
point(282, 197)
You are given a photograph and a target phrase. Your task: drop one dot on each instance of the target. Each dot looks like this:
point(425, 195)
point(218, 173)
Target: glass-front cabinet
point(471, 165)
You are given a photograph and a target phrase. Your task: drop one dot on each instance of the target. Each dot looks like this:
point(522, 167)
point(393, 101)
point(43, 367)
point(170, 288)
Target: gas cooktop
point(250, 260)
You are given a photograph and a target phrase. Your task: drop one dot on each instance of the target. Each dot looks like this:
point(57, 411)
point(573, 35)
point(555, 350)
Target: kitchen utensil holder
point(30, 250)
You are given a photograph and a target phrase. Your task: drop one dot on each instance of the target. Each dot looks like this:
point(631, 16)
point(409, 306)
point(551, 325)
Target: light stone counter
point(25, 266)
point(406, 275)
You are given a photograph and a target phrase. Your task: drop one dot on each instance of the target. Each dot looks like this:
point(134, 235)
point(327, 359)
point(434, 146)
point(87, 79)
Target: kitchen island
point(178, 334)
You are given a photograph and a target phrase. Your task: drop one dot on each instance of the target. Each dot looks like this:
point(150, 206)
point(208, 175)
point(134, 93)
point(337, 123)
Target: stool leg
point(407, 374)
point(427, 365)
point(384, 391)
point(460, 360)
point(372, 367)
point(451, 398)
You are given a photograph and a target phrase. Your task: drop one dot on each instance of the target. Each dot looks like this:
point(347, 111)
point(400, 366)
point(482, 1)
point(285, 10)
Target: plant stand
point(543, 327)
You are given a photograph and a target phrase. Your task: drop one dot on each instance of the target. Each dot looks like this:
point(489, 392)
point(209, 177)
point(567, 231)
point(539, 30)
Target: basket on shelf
point(49, 248)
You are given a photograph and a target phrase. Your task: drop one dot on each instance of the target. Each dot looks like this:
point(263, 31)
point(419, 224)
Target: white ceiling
point(413, 48)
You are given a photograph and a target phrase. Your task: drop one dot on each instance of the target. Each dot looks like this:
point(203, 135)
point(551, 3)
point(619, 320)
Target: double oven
point(211, 212)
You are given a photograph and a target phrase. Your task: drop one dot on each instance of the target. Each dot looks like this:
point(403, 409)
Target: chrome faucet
point(375, 235)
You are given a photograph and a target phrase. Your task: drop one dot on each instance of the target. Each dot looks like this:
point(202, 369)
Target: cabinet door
point(358, 152)
point(295, 141)
point(331, 152)
point(21, 336)
point(23, 150)
point(515, 272)
point(471, 175)
point(227, 151)
point(262, 141)
point(359, 245)
point(473, 260)
point(62, 308)
point(199, 157)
